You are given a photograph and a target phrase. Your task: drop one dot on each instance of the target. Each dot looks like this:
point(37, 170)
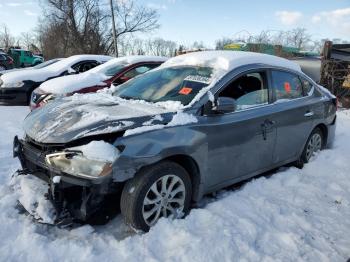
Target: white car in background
point(16, 87)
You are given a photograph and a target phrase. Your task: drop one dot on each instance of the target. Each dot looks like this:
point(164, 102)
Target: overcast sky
point(186, 21)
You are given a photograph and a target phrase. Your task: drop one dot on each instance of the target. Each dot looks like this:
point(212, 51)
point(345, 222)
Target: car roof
point(226, 61)
point(130, 60)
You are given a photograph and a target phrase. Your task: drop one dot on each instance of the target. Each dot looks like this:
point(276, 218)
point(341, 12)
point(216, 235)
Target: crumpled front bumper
point(75, 199)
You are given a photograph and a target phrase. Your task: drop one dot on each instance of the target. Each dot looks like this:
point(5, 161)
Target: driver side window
point(138, 71)
point(249, 90)
point(84, 66)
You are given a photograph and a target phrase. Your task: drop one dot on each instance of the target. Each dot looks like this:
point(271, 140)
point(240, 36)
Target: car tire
point(313, 144)
point(144, 198)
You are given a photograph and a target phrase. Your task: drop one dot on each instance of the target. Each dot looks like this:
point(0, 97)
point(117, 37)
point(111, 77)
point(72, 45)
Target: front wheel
point(162, 190)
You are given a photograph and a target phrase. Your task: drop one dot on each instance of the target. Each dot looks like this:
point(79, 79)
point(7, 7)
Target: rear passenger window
point(287, 86)
point(307, 86)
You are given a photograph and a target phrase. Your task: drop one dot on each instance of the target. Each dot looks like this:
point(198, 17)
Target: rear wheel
point(162, 190)
point(312, 146)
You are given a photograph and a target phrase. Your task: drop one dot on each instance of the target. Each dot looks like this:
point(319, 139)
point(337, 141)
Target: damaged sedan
point(196, 124)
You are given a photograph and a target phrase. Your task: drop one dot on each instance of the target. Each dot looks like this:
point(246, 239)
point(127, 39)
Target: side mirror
point(71, 71)
point(225, 105)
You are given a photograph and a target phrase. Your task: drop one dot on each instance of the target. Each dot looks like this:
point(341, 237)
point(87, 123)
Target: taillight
point(335, 102)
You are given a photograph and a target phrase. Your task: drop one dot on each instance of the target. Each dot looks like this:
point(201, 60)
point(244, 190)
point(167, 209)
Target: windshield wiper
point(127, 97)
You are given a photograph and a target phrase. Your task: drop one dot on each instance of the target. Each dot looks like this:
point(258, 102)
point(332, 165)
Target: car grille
point(34, 156)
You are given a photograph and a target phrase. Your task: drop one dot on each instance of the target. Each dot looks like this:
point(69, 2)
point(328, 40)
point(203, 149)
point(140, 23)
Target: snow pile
point(292, 215)
point(32, 192)
point(99, 150)
point(179, 119)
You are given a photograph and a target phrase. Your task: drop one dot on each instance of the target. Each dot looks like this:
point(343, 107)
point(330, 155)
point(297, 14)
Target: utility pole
point(114, 30)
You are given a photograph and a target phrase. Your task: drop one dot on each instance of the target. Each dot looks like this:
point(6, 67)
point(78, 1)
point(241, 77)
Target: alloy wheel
point(314, 145)
point(166, 197)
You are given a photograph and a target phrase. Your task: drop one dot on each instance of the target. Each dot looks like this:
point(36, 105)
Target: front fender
point(151, 147)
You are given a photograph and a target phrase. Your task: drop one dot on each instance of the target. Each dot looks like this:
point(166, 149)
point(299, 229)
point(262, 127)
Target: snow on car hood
point(72, 83)
point(37, 75)
point(67, 119)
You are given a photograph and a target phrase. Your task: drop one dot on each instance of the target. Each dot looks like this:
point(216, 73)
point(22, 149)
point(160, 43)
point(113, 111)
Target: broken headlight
point(76, 164)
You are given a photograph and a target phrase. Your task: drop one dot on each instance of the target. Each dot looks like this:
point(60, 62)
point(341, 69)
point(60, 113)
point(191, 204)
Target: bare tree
point(72, 27)
point(132, 18)
point(6, 39)
point(27, 40)
point(129, 45)
point(221, 43)
point(161, 47)
point(84, 26)
point(298, 38)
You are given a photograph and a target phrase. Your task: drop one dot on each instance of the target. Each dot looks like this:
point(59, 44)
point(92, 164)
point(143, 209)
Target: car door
point(292, 115)
point(241, 143)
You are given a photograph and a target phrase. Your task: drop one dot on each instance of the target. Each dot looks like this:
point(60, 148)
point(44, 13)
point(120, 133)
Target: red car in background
point(116, 71)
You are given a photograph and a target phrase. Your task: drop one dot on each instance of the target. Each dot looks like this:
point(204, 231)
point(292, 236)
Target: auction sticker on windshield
point(197, 78)
point(185, 91)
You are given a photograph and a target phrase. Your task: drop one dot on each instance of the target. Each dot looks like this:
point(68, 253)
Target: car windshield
point(45, 64)
point(110, 68)
point(167, 84)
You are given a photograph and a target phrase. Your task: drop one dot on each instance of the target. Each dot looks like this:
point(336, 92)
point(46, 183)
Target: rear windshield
point(45, 64)
point(167, 84)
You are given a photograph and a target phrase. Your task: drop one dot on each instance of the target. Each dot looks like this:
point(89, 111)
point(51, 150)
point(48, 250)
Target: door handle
point(309, 113)
point(265, 125)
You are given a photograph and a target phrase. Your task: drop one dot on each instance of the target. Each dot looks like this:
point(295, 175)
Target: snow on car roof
point(52, 70)
point(226, 61)
point(93, 77)
point(67, 62)
point(128, 60)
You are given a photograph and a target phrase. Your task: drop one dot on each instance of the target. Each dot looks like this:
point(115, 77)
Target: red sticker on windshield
point(287, 87)
point(185, 91)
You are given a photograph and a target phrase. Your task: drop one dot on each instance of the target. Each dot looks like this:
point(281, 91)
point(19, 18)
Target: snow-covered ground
point(293, 215)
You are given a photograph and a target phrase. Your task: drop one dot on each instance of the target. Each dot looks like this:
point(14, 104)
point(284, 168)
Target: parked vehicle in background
point(25, 58)
point(116, 71)
point(310, 65)
point(16, 87)
point(6, 62)
point(197, 123)
point(42, 65)
point(335, 71)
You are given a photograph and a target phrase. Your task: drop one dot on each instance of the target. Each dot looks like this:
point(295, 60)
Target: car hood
point(36, 75)
point(73, 83)
point(71, 118)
